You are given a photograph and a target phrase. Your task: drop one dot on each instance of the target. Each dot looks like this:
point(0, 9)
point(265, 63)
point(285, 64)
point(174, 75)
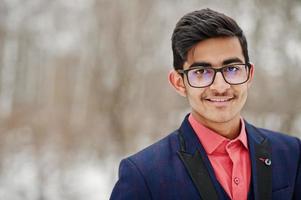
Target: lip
point(219, 101)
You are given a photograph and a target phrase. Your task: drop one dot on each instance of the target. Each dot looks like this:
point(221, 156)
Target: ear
point(252, 71)
point(177, 82)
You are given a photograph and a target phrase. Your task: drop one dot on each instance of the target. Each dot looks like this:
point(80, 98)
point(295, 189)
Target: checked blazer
point(177, 167)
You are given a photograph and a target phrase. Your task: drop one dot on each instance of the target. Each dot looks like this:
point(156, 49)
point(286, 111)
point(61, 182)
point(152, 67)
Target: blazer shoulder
point(157, 151)
point(281, 144)
point(279, 139)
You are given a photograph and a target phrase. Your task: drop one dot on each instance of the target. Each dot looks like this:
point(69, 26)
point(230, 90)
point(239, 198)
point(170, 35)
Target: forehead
point(215, 51)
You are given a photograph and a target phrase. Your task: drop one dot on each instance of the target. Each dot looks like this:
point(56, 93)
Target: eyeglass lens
point(203, 76)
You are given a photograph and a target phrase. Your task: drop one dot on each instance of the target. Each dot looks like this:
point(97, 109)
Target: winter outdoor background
point(83, 83)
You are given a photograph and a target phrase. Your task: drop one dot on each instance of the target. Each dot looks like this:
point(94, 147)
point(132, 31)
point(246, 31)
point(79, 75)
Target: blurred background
point(83, 83)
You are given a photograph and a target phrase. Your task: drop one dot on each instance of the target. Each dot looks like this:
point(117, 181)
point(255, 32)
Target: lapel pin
point(266, 161)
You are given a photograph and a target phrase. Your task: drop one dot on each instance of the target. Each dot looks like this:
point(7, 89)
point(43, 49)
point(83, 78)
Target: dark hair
point(200, 25)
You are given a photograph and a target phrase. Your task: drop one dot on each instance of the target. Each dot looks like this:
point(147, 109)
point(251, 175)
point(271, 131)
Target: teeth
point(219, 100)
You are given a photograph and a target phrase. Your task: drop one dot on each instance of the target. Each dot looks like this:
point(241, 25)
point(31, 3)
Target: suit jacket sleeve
point(297, 190)
point(131, 183)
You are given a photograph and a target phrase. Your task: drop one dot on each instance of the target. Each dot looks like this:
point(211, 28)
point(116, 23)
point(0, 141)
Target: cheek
point(243, 93)
point(195, 95)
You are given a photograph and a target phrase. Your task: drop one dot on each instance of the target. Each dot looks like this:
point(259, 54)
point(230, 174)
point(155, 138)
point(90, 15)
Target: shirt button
point(236, 180)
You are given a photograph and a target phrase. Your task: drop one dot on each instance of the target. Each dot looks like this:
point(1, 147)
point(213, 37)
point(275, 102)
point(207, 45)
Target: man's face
point(219, 102)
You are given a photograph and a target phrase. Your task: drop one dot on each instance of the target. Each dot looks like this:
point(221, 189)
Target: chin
point(222, 118)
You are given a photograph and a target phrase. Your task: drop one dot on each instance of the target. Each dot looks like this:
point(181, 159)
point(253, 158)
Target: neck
point(228, 129)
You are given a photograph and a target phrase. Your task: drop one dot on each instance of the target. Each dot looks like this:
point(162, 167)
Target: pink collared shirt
point(229, 159)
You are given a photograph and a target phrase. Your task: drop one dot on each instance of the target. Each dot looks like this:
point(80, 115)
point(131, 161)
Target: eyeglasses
point(201, 76)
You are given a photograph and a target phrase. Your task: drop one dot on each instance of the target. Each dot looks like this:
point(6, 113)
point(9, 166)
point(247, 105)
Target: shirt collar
point(212, 140)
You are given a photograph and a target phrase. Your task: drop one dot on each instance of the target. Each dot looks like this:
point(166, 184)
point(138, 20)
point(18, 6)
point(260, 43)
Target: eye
point(232, 68)
point(199, 71)
point(202, 71)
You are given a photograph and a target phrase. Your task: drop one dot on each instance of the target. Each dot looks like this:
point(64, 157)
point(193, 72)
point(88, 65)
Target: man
point(215, 154)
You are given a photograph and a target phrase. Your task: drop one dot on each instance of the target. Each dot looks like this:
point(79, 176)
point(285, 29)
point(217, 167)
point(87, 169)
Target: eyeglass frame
point(196, 66)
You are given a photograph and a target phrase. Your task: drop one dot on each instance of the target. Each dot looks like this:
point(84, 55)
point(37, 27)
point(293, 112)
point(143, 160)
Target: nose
point(219, 84)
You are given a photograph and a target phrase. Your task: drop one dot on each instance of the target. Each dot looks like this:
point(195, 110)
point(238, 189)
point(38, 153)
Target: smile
point(220, 99)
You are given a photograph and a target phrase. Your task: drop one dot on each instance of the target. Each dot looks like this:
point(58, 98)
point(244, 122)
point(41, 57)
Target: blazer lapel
point(195, 161)
point(190, 154)
point(260, 155)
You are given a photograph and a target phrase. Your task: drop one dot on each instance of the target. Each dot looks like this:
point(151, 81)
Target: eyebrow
point(232, 60)
point(225, 62)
